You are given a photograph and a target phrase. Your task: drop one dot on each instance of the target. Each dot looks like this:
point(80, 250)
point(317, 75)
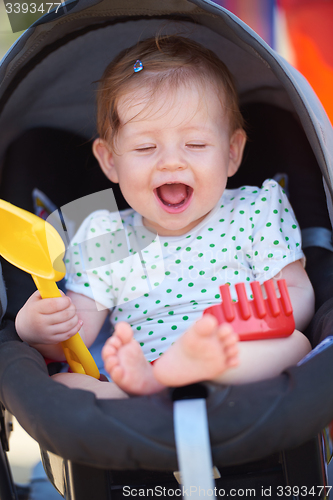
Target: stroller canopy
point(48, 78)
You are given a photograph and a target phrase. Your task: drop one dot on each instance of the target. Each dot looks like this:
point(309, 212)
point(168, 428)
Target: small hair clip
point(138, 66)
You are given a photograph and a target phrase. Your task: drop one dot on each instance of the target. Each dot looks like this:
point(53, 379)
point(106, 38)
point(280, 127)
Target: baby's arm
point(45, 323)
point(301, 293)
point(92, 318)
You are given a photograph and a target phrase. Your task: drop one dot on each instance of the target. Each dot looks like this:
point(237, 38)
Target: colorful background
point(301, 31)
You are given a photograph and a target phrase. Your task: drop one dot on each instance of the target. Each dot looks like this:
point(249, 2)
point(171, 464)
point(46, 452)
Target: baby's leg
point(203, 352)
point(124, 360)
point(102, 390)
point(262, 359)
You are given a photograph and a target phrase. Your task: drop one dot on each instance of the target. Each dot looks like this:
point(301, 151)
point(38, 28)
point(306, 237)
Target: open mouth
point(174, 197)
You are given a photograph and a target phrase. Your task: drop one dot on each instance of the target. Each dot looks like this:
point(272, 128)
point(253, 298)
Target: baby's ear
point(237, 144)
point(105, 158)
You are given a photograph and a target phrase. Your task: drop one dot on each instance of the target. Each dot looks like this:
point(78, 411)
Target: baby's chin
point(173, 228)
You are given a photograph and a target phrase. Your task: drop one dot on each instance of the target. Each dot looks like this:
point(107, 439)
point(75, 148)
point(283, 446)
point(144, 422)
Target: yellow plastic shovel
point(33, 245)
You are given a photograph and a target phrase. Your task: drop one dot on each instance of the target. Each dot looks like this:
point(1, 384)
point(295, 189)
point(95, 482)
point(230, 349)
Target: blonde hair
point(167, 60)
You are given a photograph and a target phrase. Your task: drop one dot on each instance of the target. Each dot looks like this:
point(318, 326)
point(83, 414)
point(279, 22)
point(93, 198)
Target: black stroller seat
point(262, 434)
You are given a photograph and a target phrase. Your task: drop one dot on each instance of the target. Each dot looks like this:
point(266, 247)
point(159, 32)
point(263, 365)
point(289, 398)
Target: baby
point(171, 133)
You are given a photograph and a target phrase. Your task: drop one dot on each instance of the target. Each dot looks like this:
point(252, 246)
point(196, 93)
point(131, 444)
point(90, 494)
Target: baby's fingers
point(54, 305)
point(62, 316)
point(63, 331)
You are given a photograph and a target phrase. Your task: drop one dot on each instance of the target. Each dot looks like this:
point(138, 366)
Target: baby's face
point(173, 156)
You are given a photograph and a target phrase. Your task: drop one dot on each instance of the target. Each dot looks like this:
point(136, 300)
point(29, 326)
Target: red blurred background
point(301, 30)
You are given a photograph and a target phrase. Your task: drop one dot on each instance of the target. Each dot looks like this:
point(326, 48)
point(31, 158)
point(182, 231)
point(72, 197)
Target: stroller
point(265, 436)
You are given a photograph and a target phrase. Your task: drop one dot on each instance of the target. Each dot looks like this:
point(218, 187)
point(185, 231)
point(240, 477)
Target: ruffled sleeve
point(276, 236)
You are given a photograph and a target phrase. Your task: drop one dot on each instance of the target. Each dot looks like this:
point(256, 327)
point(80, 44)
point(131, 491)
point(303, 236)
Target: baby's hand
point(47, 321)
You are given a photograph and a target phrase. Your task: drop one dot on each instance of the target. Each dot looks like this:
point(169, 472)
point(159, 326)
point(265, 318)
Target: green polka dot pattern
point(163, 283)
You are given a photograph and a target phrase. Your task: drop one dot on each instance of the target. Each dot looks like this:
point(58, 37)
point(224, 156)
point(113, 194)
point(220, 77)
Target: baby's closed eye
point(145, 148)
point(196, 145)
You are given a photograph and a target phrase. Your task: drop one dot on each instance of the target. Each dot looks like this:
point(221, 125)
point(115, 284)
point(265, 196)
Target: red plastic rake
point(258, 318)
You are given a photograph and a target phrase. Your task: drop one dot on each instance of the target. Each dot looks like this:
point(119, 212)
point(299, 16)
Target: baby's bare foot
point(203, 352)
point(126, 364)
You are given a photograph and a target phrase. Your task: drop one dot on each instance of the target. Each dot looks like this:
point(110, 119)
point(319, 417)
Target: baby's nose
point(172, 160)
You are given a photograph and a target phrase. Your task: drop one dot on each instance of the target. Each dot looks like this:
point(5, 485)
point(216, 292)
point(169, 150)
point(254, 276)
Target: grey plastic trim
point(317, 237)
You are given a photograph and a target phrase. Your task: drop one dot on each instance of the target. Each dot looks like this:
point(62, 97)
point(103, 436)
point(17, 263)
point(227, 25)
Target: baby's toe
point(227, 334)
point(231, 350)
point(115, 341)
point(232, 355)
point(232, 361)
point(108, 350)
point(205, 325)
point(110, 363)
point(123, 331)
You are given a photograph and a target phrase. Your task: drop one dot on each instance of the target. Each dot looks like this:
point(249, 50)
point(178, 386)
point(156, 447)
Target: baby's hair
point(169, 60)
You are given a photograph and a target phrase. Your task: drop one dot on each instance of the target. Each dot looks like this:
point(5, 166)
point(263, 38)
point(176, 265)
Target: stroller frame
point(294, 438)
point(301, 467)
